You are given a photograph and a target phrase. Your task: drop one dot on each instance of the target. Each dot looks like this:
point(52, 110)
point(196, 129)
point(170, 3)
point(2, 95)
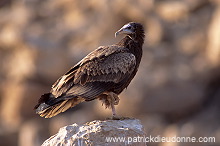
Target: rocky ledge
point(107, 133)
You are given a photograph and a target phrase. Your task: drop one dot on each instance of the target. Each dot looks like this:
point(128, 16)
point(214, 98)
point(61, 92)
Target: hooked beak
point(123, 31)
point(118, 32)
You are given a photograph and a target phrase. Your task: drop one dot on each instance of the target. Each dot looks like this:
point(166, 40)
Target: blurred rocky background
point(175, 93)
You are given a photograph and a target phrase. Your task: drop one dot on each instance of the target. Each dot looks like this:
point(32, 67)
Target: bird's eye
point(129, 27)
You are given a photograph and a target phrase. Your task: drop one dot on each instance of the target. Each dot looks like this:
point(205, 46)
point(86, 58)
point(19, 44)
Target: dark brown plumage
point(103, 74)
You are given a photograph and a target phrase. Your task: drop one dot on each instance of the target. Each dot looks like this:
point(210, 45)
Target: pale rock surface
point(96, 132)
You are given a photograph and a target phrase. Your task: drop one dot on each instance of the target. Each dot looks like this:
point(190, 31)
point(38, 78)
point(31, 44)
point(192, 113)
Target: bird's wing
point(112, 68)
point(101, 52)
point(96, 73)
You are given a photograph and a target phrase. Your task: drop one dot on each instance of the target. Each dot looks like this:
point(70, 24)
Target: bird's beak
point(118, 32)
point(123, 31)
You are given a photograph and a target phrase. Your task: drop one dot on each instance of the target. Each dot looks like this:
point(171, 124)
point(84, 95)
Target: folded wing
point(98, 72)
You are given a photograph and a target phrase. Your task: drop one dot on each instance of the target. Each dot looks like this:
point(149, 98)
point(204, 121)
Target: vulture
point(103, 74)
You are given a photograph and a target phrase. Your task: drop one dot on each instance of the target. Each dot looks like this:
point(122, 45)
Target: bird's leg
point(113, 110)
point(113, 100)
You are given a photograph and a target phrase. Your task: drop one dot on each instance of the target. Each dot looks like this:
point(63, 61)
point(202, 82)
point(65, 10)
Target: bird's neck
point(134, 39)
point(138, 38)
point(131, 41)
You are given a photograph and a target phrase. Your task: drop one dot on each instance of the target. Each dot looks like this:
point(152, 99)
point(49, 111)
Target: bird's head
point(131, 29)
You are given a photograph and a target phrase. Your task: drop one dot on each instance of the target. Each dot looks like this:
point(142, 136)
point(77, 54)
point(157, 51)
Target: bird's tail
point(48, 106)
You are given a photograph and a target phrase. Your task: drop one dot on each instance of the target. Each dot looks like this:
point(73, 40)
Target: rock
point(100, 133)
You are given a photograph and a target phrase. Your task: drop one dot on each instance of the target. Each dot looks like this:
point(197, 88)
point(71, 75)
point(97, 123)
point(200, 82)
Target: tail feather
point(49, 106)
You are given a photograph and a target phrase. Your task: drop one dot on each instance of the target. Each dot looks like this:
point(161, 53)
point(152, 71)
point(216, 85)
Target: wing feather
point(95, 73)
point(111, 68)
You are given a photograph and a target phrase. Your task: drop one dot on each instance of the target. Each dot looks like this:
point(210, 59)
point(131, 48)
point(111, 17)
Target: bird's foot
point(116, 117)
